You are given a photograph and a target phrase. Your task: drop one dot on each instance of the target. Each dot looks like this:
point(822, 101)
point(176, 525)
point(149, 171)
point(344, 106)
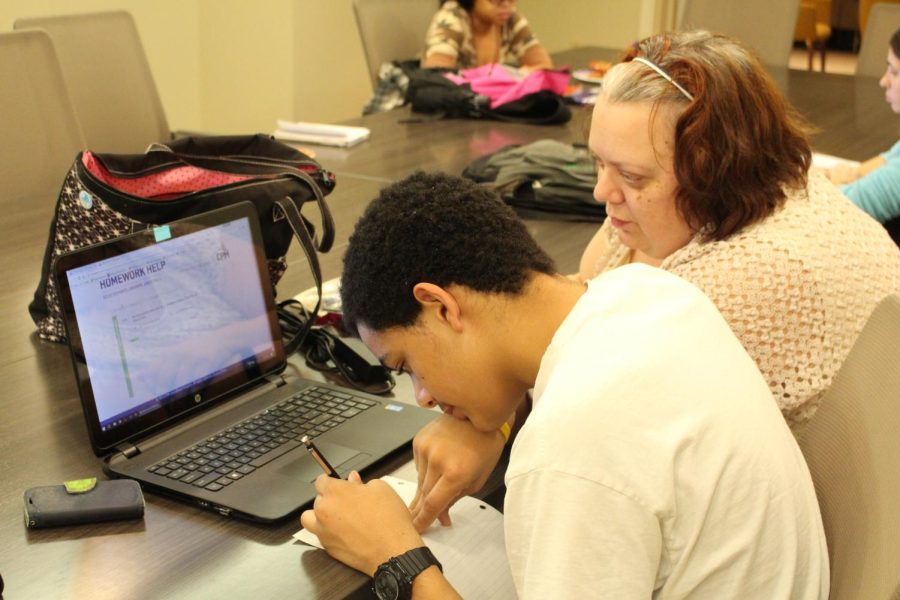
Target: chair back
point(865, 6)
point(883, 21)
point(766, 26)
point(392, 30)
point(852, 446)
point(109, 78)
point(41, 135)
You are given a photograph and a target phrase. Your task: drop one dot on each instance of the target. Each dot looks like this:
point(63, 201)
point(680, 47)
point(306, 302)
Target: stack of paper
point(320, 133)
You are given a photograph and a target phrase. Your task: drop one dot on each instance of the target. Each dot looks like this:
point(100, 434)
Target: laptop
point(182, 375)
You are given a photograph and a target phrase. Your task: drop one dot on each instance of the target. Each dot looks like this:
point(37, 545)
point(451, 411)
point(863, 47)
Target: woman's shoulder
point(800, 283)
point(517, 19)
point(817, 229)
point(817, 250)
point(822, 226)
point(448, 30)
point(518, 30)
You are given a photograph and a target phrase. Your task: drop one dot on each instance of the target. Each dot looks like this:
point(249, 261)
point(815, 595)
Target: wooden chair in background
point(814, 28)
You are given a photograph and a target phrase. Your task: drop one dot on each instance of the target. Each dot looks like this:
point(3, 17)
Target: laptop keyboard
point(238, 451)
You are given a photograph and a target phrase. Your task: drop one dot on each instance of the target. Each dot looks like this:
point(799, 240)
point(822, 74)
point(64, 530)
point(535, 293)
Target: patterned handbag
point(105, 196)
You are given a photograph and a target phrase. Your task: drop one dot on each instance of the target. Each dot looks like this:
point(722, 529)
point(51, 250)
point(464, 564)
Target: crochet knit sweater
point(796, 288)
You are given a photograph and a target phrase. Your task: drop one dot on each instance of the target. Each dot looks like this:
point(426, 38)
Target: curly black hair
point(435, 228)
point(466, 4)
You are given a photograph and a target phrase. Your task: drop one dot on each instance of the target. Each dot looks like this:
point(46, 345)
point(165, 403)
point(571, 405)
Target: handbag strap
point(327, 240)
point(288, 210)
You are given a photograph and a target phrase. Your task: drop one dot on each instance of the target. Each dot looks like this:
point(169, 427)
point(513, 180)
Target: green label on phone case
point(80, 486)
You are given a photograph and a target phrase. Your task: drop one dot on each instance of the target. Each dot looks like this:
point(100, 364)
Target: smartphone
point(55, 505)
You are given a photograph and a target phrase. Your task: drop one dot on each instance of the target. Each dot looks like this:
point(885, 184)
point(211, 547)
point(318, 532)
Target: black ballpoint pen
point(317, 456)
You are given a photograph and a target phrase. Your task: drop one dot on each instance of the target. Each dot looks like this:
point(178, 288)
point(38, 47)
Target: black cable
point(321, 356)
point(292, 316)
point(319, 347)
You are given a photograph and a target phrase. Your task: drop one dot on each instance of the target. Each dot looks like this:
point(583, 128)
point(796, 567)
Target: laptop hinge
point(128, 450)
point(276, 380)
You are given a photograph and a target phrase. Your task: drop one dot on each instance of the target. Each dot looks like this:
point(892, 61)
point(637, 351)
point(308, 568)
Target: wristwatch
point(393, 579)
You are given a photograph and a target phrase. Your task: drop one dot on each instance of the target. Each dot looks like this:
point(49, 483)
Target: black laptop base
point(228, 469)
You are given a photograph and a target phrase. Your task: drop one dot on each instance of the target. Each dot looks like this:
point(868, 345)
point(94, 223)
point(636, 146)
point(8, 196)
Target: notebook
point(181, 371)
point(342, 136)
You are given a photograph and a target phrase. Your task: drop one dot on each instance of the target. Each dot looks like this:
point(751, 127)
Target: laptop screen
point(168, 319)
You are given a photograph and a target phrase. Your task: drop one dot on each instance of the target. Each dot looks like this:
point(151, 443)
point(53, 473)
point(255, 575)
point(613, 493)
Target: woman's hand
point(453, 459)
point(360, 524)
point(842, 173)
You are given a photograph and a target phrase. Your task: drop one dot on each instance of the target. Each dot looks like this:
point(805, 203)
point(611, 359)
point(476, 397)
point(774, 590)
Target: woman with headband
point(704, 170)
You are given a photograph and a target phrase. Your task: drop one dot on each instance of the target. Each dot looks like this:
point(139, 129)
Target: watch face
point(386, 585)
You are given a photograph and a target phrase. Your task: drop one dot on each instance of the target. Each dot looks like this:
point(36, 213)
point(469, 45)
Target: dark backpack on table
point(431, 93)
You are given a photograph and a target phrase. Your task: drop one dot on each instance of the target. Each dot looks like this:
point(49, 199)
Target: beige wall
point(564, 24)
point(235, 66)
point(246, 64)
point(331, 80)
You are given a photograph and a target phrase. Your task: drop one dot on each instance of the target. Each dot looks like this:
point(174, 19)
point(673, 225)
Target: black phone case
point(52, 505)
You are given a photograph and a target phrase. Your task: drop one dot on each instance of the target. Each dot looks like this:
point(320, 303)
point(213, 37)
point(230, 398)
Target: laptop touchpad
point(303, 467)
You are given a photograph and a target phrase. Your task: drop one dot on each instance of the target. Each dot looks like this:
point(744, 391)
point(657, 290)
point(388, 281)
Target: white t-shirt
point(655, 462)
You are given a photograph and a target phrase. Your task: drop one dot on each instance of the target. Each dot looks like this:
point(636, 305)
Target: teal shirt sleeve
point(878, 193)
point(893, 153)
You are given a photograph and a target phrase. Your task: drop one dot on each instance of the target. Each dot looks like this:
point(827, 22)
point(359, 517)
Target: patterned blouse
point(450, 33)
point(796, 288)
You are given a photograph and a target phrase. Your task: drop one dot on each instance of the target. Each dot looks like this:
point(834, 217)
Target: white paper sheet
point(472, 550)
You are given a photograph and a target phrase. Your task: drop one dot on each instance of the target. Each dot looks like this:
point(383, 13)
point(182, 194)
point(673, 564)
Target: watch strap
point(412, 562)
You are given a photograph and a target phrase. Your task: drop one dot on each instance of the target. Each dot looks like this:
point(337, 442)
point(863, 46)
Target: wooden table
point(179, 551)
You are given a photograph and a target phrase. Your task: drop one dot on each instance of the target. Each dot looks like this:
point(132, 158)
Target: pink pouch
point(504, 84)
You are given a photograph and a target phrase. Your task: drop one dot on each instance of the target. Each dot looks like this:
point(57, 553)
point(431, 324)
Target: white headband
point(664, 75)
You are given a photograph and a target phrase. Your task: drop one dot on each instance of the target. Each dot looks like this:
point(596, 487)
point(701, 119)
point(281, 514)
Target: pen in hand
point(317, 456)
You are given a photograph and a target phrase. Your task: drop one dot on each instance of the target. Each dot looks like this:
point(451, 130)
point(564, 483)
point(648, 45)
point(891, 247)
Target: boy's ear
point(440, 303)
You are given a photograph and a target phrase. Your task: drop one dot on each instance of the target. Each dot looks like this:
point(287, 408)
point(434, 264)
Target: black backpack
point(431, 93)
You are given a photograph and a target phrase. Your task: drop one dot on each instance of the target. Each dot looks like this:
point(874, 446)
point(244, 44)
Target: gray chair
point(109, 78)
point(41, 135)
point(884, 20)
point(766, 26)
point(392, 30)
point(40, 140)
point(852, 446)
